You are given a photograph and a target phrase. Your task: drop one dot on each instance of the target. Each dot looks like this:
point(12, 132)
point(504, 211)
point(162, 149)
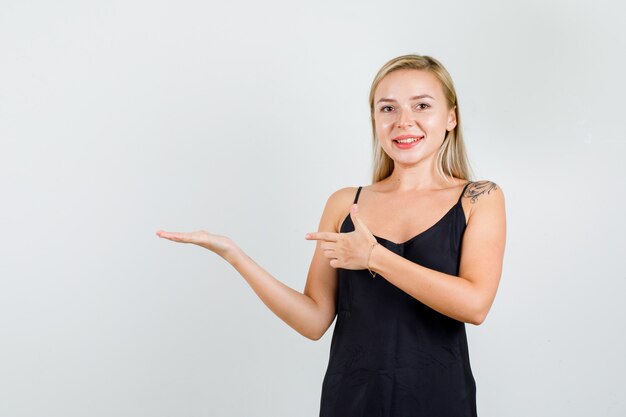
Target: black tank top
point(390, 354)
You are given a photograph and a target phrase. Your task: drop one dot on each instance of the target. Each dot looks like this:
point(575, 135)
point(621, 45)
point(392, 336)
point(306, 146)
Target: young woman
point(420, 256)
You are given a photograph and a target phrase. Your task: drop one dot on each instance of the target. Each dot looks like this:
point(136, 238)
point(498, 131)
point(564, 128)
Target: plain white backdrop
point(118, 118)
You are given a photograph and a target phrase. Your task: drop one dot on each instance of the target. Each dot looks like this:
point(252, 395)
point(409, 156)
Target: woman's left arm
point(469, 296)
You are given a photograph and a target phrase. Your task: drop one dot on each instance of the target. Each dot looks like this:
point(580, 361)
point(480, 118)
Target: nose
point(404, 119)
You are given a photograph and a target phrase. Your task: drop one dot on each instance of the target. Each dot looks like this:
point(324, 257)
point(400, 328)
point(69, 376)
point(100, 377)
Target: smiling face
point(410, 104)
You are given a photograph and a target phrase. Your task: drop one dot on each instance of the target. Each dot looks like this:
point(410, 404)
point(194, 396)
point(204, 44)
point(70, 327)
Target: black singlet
point(390, 354)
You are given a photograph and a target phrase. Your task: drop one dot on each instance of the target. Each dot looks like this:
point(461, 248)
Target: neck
point(422, 176)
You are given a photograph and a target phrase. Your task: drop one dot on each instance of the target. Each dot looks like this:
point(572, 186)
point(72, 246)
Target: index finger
point(329, 236)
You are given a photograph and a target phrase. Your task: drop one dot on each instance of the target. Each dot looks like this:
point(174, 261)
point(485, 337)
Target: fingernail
point(307, 236)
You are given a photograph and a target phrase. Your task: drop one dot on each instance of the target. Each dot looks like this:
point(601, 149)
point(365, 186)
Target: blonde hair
point(452, 158)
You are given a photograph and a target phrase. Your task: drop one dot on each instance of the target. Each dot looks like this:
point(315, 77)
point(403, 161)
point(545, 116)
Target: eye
point(384, 109)
point(423, 104)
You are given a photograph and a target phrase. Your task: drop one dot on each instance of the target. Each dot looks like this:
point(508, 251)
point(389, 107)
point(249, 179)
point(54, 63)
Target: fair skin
point(388, 211)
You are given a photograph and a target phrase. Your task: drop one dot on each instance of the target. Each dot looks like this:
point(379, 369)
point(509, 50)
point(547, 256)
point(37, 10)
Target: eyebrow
point(412, 98)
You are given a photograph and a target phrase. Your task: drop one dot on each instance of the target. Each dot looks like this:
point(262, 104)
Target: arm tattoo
point(478, 188)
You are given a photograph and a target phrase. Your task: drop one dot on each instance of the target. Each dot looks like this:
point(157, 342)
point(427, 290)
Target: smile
point(408, 140)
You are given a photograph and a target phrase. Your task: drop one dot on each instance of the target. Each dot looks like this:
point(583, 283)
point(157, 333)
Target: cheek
point(383, 123)
point(433, 123)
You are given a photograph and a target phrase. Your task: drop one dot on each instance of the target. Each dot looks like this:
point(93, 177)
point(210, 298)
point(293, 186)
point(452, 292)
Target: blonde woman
point(405, 269)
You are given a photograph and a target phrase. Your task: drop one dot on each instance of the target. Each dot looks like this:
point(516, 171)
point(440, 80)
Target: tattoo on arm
point(478, 188)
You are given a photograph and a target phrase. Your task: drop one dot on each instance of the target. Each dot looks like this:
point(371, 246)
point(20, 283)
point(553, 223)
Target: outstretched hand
point(221, 245)
point(347, 250)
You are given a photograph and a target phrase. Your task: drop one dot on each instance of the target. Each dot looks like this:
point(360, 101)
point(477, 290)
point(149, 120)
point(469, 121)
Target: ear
point(451, 119)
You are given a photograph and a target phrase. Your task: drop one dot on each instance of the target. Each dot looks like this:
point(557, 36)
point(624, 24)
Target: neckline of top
point(457, 204)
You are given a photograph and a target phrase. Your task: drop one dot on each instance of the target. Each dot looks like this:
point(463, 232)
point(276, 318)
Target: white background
point(119, 118)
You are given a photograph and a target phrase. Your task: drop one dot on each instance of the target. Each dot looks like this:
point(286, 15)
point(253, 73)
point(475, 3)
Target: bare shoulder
point(343, 194)
point(485, 196)
point(481, 189)
point(338, 205)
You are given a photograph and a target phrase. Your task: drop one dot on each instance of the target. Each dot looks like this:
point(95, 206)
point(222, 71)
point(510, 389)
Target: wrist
point(369, 259)
point(233, 255)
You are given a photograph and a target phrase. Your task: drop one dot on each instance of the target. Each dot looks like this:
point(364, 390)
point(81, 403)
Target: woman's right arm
point(310, 313)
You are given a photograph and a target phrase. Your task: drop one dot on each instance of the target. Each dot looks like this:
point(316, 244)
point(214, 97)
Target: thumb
point(354, 216)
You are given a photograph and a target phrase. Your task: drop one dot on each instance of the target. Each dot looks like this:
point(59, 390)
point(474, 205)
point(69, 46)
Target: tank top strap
point(463, 192)
point(356, 198)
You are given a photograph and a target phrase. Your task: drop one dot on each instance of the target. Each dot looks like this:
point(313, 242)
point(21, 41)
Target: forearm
point(293, 307)
point(450, 295)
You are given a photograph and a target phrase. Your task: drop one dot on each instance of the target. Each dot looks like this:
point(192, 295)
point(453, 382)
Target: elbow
point(479, 316)
point(478, 308)
point(478, 313)
point(477, 320)
point(313, 336)
point(318, 328)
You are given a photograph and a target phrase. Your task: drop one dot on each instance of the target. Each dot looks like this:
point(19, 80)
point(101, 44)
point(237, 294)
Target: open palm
point(221, 245)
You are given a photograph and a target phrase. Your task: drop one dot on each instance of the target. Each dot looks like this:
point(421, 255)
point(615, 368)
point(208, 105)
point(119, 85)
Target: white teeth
point(408, 140)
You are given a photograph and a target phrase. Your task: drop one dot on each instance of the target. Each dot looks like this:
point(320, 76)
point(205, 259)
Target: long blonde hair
point(452, 158)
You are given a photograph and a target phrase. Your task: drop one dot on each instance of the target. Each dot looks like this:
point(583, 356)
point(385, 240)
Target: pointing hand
point(347, 250)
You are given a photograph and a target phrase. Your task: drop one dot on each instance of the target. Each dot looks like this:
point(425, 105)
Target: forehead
point(407, 83)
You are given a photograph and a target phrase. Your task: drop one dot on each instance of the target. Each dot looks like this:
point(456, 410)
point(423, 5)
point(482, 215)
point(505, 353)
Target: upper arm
point(322, 279)
point(482, 249)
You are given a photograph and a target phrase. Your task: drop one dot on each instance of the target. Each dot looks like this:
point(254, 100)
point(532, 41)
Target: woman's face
point(409, 104)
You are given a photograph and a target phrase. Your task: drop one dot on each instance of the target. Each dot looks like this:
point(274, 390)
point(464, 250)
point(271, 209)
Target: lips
point(408, 137)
